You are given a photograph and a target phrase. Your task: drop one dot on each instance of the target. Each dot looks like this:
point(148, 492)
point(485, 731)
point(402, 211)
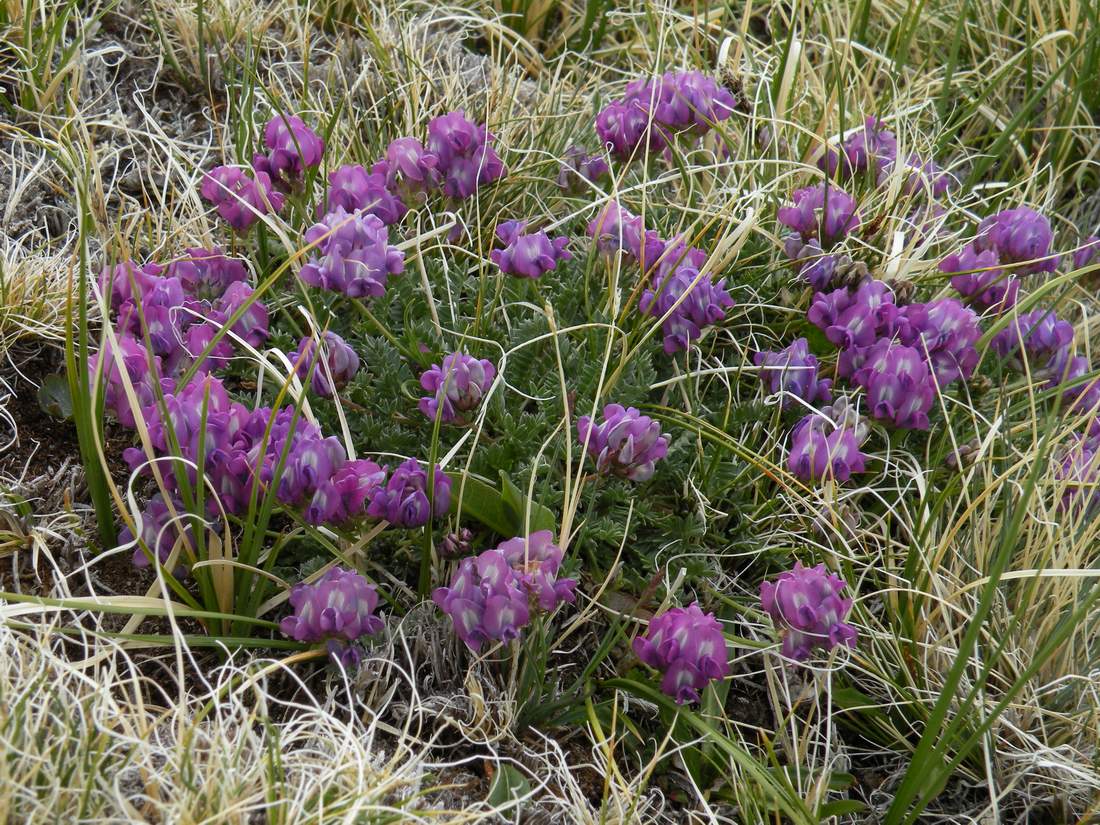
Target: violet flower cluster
point(654, 111)
point(826, 448)
point(823, 213)
point(793, 372)
point(337, 365)
point(806, 608)
point(873, 150)
point(338, 609)
point(292, 149)
point(688, 647)
point(527, 254)
point(457, 387)
point(492, 596)
point(1010, 243)
point(579, 169)
point(404, 499)
point(465, 155)
point(625, 443)
point(353, 254)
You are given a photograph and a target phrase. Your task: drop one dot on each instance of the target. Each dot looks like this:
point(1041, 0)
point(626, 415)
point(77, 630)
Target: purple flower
point(403, 501)
point(128, 282)
point(694, 302)
point(132, 358)
point(1089, 249)
point(621, 125)
point(823, 450)
point(252, 326)
point(240, 199)
point(162, 526)
point(457, 386)
point(527, 255)
point(338, 608)
point(899, 385)
point(1079, 471)
point(206, 273)
point(535, 563)
point(292, 148)
point(1019, 236)
point(981, 278)
point(577, 167)
point(626, 443)
point(339, 364)
point(615, 229)
point(818, 271)
point(411, 171)
point(355, 483)
point(466, 157)
point(793, 371)
point(945, 332)
point(806, 608)
point(353, 254)
point(310, 462)
point(688, 647)
point(1044, 337)
point(485, 600)
point(1080, 397)
point(352, 188)
point(824, 212)
point(854, 318)
point(874, 148)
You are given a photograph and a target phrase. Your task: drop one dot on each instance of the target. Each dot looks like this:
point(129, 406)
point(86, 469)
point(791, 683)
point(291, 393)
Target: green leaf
point(502, 511)
point(840, 807)
point(509, 785)
point(54, 397)
point(516, 503)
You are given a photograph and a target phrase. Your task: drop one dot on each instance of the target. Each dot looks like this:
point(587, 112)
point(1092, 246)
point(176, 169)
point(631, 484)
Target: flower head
point(1019, 236)
point(945, 332)
point(577, 167)
point(465, 153)
point(527, 255)
point(161, 526)
point(338, 366)
point(1042, 335)
point(353, 254)
point(252, 326)
point(535, 562)
point(692, 298)
point(806, 608)
point(626, 443)
point(899, 385)
point(1086, 251)
point(206, 274)
point(457, 386)
point(338, 609)
point(292, 147)
point(977, 275)
point(411, 171)
point(793, 372)
point(241, 199)
point(403, 501)
point(854, 318)
point(351, 188)
point(688, 647)
point(822, 449)
point(824, 212)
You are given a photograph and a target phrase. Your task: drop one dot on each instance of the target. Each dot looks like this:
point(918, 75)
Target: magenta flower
point(527, 255)
point(252, 326)
point(688, 647)
point(1088, 249)
point(579, 167)
point(339, 365)
point(874, 148)
point(695, 302)
point(128, 281)
point(622, 125)
point(206, 274)
point(625, 443)
point(457, 386)
point(806, 608)
point(1042, 335)
point(855, 318)
point(793, 372)
point(824, 450)
point(403, 501)
point(466, 157)
point(1079, 471)
point(899, 385)
point(615, 229)
point(131, 358)
point(981, 279)
point(412, 172)
point(241, 200)
point(337, 609)
point(1019, 236)
point(353, 254)
point(161, 528)
point(824, 212)
point(311, 462)
point(352, 188)
point(292, 148)
point(944, 332)
point(356, 483)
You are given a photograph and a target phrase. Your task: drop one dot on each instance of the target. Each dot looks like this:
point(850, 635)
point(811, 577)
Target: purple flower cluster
point(403, 500)
point(338, 609)
point(1088, 249)
point(579, 167)
point(823, 448)
point(465, 155)
point(353, 254)
point(625, 443)
point(162, 525)
point(823, 213)
point(654, 111)
point(898, 383)
point(292, 148)
point(457, 386)
point(337, 365)
point(527, 255)
point(688, 647)
point(491, 595)
point(805, 606)
point(241, 197)
point(1079, 471)
point(353, 188)
point(1013, 242)
point(1039, 335)
point(793, 372)
point(873, 150)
